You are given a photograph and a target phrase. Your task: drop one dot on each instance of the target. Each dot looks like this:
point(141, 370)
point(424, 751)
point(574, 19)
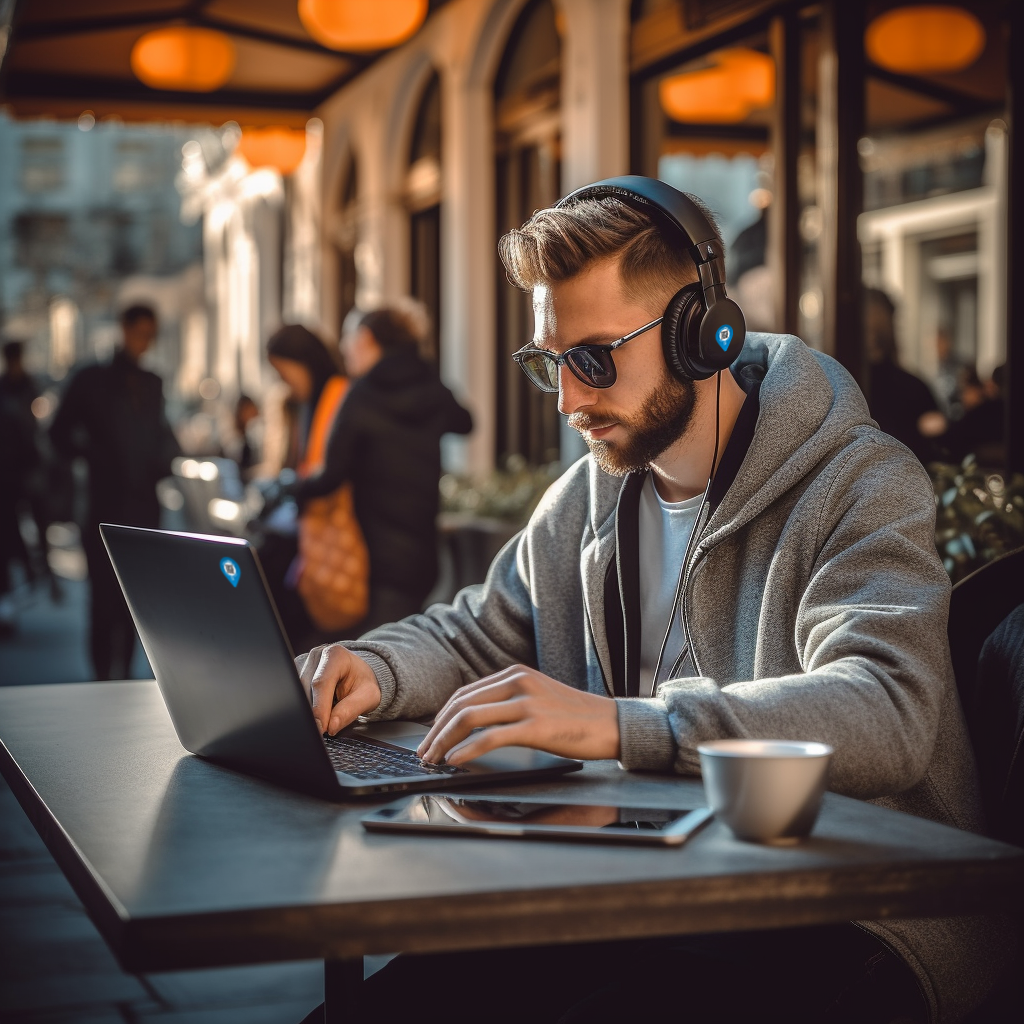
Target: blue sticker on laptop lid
point(229, 567)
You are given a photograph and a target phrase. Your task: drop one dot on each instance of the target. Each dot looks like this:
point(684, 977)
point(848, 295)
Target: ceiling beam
point(38, 85)
point(191, 14)
point(106, 23)
point(962, 102)
point(292, 42)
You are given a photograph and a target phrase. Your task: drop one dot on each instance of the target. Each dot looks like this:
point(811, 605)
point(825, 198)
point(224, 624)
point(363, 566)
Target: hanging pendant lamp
point(362, 24)
point(182, 57)
point(277, 147)
point(741, 81)
point(926, 40)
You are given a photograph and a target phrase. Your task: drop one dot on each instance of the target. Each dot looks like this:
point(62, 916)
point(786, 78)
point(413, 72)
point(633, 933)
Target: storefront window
point(423, 196)
point(528, 172)
point(933, 158)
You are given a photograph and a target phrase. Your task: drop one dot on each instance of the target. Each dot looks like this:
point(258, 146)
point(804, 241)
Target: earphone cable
point(689, 543)
point(696, 521)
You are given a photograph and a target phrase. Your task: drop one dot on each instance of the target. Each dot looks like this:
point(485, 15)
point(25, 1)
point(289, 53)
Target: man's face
point(139, 336)
point(629, 424)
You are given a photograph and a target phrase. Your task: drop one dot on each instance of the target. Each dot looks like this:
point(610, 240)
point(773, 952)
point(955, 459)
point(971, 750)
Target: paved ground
point(54, 967)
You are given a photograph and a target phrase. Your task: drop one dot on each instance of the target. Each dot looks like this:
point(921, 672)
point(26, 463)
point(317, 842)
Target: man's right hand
point(333, 672)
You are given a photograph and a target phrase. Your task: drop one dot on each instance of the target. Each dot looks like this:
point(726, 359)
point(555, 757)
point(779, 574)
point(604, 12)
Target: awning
point(66, 56)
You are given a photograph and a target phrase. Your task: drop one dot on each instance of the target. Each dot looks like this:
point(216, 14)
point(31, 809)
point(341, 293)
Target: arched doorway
point(423, 198)
point(527, 146)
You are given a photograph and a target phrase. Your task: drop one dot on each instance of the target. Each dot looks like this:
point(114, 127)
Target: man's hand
point(334, 671)
point(520, 706)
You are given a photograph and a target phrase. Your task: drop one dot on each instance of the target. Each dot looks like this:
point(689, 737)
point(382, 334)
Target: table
point(183, 864)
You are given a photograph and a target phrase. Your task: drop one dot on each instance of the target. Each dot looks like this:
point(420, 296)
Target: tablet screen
point(461, 811)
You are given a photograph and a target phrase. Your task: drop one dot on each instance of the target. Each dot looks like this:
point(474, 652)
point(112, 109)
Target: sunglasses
point(591, 364)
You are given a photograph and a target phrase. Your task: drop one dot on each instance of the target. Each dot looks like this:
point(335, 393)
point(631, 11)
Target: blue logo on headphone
point(723, 337)
point(229, 567)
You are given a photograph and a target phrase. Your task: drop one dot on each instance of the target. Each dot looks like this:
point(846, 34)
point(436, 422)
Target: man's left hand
point(522, 707)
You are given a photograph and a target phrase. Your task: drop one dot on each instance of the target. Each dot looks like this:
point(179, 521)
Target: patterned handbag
point(334, 564)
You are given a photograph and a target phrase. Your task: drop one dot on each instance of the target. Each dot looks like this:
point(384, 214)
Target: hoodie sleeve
point(338, 458)
point(420, 661)
point(487, 627)
point(869, 629)
point(457, 420)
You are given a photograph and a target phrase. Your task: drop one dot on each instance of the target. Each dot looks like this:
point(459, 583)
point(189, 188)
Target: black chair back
point(986, 641)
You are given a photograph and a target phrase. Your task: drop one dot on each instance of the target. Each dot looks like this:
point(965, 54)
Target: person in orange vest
point(317, 387)
point(385, 442)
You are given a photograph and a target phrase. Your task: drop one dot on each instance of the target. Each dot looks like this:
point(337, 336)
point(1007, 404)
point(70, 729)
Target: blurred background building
point(242, 164)
point(310, 171)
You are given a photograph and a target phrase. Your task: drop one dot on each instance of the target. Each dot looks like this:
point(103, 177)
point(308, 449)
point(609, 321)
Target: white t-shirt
point(665, 528)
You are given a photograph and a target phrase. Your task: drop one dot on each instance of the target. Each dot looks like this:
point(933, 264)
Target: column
point(469, 263)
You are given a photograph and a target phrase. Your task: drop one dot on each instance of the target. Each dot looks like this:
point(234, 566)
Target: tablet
point(513, 817)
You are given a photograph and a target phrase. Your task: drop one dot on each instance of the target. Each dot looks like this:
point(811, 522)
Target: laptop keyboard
point(363, 760)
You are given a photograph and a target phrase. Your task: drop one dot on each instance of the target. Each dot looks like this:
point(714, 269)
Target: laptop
point(227, 675)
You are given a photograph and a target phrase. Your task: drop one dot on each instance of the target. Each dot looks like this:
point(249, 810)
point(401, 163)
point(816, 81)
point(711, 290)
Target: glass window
point(706, 127)
point(528, 175)
point(43, 164)
point(933, 158)
point(423, 196)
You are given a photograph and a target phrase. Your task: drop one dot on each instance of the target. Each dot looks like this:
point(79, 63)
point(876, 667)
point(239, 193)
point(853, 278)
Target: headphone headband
point(696, 346)
point(666, 203)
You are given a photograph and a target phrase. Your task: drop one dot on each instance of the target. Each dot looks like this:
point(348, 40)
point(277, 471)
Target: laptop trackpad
point(401, 734)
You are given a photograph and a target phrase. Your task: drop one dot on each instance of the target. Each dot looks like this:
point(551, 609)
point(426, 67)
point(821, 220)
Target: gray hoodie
point(817, 607)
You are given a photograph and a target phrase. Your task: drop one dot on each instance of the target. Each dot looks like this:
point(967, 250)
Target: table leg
point(343, 991)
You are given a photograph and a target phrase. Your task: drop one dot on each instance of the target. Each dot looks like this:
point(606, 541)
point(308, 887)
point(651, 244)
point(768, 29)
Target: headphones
point(703, 329)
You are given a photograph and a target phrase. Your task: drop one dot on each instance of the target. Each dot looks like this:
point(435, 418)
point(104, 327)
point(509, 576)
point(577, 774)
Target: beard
point(663, 418)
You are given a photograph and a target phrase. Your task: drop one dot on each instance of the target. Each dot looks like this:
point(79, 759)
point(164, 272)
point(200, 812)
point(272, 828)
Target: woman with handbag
point(314, 556)
point(385, 442)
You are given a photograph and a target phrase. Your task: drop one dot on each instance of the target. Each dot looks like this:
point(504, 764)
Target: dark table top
point(182, 863)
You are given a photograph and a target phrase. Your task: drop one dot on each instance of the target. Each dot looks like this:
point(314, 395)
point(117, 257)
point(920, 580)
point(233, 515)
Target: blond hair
point(558, 243)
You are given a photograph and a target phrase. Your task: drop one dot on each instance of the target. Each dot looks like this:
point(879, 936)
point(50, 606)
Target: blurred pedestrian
point(46, 485)
point(386, 441)
point(19, 455)
point(901, 403)
point(316, 385)
point(245, 454)
point(17, 388)
point(949, 368)
point(112, 415)
point(981, 429)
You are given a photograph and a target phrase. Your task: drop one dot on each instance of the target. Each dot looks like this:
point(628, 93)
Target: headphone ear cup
point(721, 333)
point(680, 332)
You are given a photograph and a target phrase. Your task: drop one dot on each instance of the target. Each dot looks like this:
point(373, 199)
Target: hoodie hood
point(791, 438)
point(406, 388)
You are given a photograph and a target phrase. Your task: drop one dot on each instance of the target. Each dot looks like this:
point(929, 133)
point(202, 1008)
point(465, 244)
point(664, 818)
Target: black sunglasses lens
point(541, 370)
point(593, 366)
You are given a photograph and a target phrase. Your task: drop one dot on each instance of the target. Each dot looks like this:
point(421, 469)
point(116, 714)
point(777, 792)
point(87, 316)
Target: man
point(19, 456)
point(112, 415)
point(809, 603)
point(386, 441)
point(902, 404)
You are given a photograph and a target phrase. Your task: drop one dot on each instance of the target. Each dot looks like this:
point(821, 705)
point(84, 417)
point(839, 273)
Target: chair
point(986, 641)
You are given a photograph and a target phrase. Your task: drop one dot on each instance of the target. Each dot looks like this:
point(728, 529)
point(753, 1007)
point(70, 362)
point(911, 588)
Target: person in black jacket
point(112, 414)
point(386, 441)
point(902, 404)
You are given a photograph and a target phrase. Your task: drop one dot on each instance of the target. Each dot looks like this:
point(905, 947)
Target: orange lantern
point(180, 57)
point(742, 80)
point(280, 148)
point(925, 40)
point(362, 24)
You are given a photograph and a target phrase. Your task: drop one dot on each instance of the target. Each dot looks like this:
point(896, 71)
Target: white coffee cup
point(766, 791)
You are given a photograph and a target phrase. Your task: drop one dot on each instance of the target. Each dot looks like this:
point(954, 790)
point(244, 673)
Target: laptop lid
point(227, 675)
point(220, 656)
